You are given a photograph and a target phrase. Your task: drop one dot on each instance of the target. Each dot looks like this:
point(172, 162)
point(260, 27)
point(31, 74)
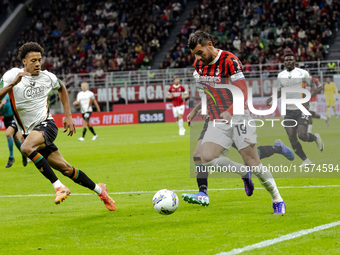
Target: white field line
point(280, 239)
point(154, 191)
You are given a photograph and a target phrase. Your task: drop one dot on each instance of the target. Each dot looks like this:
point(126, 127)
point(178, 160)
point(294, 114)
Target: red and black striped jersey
point(176, 92)
point(220, 71)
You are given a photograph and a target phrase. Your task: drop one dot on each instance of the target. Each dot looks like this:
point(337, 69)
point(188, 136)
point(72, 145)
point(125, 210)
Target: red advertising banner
point(146, 113)
point(101, 118)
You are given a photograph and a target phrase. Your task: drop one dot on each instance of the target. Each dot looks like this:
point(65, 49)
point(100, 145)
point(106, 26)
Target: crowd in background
point(101, 36)
point(7, 7)
point(98, 36)
point(260, 32)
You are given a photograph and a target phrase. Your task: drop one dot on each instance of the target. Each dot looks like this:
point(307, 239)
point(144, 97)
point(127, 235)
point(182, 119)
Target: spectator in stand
point(121, 100)
point(283, 24)
point(94, 32)
point(176, 10)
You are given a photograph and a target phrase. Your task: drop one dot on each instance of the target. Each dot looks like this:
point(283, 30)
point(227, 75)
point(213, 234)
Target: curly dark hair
point(199, 37)
point(29, 47)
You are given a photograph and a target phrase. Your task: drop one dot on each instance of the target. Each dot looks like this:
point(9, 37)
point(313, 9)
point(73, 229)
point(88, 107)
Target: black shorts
point(50, 132)
point(204, 129)
point(10, 122)
point(298, 116)
point(87, 115)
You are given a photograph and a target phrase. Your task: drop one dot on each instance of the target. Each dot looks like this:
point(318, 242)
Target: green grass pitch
point(137, 160)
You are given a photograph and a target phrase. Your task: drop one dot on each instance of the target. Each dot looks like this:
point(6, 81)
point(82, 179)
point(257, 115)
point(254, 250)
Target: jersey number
point(241, 129)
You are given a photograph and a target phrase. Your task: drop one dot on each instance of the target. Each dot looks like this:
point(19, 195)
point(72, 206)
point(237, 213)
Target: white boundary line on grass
point(280, 239)
point(184, 190)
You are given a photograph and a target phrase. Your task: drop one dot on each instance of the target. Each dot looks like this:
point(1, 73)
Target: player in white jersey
point(28, 90)
point(294, 77)
point(84, 100)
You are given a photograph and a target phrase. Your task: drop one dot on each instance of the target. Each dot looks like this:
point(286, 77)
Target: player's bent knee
point(303, 137)
point(9, 133)
point(26, 149)
point(208, 157)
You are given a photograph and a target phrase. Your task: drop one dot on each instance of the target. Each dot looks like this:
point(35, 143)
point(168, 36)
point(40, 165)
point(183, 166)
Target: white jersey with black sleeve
point(293, 79)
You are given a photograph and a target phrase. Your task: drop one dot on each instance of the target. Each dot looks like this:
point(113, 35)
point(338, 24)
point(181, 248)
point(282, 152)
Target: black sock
point(311, 137)
point(267, 151)
point(91, 129)
point(82, 179)
point(84, 132)
point(43, 166)
point(202, 176)
point(298, 150)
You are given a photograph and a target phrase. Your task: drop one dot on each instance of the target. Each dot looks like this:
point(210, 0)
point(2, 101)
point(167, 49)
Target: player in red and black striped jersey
point(225, 68)
point(217, 69)
point(177, 92)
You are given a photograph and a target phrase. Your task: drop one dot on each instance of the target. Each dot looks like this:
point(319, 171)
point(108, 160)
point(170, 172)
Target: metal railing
point(164, 77)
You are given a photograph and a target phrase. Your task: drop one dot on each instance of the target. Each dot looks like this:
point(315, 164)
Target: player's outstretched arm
point(193, 113)
point(270, 99)
point(6, 89)
point(97, 105)
point(68, 121)
point(76, 103)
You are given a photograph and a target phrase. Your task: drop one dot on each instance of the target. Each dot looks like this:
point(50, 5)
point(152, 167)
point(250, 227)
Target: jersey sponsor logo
point(34, 92)
point(211, 80)
point(176, 94)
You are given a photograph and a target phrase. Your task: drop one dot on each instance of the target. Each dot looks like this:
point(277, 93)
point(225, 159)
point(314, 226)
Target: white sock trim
point(57, 184)
point(97, 189)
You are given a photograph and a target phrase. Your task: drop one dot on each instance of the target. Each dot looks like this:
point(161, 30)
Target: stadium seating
point(260, 32)
point(98, 36)
point(7, 7)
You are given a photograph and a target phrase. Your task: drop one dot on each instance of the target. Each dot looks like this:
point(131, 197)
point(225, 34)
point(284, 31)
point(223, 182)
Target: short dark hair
point(29, 47)
point(199, 37)
point(288, 55)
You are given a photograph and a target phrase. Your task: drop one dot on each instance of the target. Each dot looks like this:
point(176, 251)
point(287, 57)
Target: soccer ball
point(165, 201)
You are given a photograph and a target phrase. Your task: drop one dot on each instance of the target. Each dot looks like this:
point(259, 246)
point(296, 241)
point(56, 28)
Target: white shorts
point(178, 110)
point(240, 133)
point(313, 106)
